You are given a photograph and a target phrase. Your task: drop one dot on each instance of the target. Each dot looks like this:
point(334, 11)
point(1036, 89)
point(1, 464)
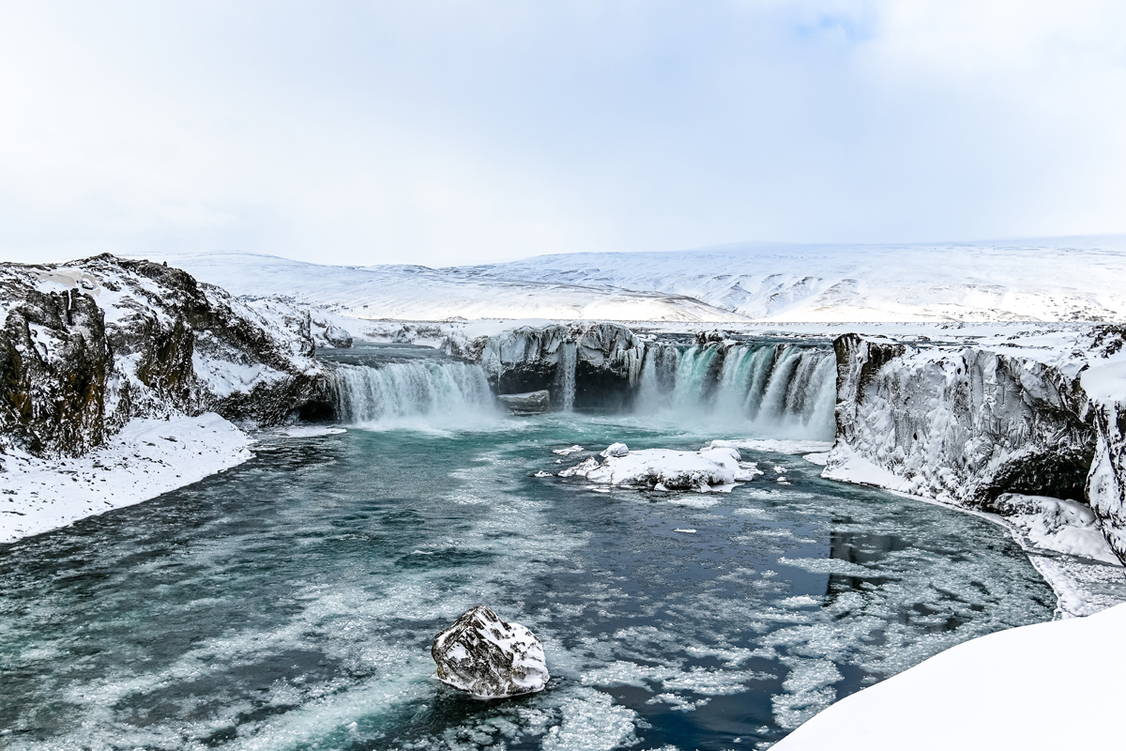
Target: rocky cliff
point(87, 345)
point(969, 422)
point(588, 364)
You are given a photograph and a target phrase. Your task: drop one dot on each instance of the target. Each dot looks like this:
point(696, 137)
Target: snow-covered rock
point(615, 450)
point(88, 345)
point(1057, 525)
point(665, 469)
point(488, 658)
point(1044, 687)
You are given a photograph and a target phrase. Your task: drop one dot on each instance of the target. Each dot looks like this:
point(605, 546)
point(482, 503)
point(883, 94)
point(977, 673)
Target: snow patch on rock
point(709, 469)
point(488, 658)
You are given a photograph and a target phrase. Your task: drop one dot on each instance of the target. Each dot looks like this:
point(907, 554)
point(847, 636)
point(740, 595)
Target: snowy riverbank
point(147, 458)
point(1047, 686)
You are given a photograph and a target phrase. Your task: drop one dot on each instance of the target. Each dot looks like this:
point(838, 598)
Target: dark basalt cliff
point(87, 345)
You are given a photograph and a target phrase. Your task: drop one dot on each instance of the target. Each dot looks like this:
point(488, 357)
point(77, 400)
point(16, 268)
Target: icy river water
point(289, 603)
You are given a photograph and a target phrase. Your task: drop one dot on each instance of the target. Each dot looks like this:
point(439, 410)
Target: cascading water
point(435, 391)
point(693, 375)
point(658, 374)
point(565, 376)
point(779, 388)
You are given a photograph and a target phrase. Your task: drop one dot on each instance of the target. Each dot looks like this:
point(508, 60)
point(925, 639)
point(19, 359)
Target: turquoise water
point(290, 602)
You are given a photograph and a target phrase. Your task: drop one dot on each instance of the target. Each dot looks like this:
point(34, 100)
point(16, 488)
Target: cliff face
point(598, 363)
point(87, 345)
point(968, 423)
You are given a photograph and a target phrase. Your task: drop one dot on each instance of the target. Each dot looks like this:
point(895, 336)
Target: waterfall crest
point(775, 387)
point(437, 392)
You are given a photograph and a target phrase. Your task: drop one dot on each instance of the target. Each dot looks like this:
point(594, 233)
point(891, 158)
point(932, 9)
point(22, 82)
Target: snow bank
point(1044, 687)
point(705, 470)
point(145, 459)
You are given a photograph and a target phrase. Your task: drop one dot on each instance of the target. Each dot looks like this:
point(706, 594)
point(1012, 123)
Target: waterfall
point(658, 374)
point(692, 375)
point(427, 391)
point(775, 388)
point(565, 375)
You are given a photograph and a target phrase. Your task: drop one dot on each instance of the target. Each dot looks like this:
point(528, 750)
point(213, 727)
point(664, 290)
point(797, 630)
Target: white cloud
point(438, 132)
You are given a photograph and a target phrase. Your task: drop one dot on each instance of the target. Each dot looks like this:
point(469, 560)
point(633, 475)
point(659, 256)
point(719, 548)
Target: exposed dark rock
point(488, 658)
point(529, 403)
point(89, 344)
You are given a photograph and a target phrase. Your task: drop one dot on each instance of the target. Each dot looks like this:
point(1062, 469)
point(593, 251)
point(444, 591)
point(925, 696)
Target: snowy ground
point(1037, 688)
point(1039, 279)
point(147, 458)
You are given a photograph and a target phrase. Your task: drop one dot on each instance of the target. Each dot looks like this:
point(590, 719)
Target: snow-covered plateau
point(1038, 279)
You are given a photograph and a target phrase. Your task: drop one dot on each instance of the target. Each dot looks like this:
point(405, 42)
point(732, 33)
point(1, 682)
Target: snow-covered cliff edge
point(972, 422)
point(95, 347)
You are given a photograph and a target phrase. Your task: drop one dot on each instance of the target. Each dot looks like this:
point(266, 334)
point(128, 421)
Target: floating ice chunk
point(616, 450)
point(775, 446)
point(488, 658)
point(576, 448)
point(310, 431)
point(665, 469)
point(541, 473)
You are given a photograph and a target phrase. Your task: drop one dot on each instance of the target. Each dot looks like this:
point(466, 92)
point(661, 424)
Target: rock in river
point(488, 658)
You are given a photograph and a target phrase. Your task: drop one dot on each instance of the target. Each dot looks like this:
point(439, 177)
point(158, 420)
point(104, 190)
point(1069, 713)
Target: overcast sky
point(446, 132)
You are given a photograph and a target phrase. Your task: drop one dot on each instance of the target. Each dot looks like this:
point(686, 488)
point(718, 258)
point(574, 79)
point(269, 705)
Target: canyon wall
point(969, 422)
point(87, 345)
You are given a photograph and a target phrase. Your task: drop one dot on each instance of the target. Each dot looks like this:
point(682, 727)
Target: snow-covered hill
point(1047, 280)
point(421, 293)
point(1053, 279)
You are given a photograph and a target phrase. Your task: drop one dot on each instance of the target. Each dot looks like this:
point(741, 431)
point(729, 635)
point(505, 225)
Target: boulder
point(488, 658)
point(529, 403)
point(616, 449)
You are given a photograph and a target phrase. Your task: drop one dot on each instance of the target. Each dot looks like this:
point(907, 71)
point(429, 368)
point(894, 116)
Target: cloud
point(446, 132)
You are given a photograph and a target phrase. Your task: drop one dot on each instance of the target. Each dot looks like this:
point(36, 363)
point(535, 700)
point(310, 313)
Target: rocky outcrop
point(583, 365)
point(87, 345)
point(488, 658)
point(968, 423)
point(531, 403)
point(55, 366)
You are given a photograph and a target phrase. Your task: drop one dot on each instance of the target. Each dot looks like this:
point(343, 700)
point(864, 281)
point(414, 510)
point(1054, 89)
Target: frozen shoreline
point(1084, 581)
point(146, 459)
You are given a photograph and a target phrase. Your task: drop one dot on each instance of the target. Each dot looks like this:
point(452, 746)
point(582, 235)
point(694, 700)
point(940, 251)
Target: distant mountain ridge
point(1057, 279)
